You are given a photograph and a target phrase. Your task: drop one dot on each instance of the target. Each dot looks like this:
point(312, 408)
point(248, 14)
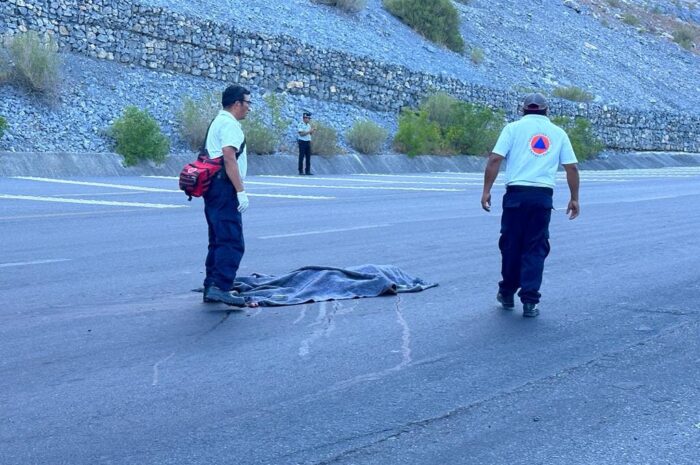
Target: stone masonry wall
point(128, 32)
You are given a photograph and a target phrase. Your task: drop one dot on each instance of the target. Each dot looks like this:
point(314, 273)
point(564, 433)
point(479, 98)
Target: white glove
point(243, 201)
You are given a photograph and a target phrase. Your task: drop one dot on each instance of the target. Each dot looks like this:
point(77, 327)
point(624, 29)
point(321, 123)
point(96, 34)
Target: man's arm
point(231, 165)
point(572, 179)
point(306, 133)
point(490, 174)
point(234, 175)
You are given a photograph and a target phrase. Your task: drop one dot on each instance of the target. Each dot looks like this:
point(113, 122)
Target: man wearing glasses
point(305, 130)
point(226, 198)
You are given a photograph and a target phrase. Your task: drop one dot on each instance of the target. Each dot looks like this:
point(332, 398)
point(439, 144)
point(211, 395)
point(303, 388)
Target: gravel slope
point(527, 44)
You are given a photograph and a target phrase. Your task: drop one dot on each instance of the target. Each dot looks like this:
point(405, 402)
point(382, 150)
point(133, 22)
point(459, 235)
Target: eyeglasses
point(249, 102)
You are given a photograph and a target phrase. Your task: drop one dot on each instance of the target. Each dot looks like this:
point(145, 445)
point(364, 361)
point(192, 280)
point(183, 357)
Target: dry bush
point(366, 136)
point(37, 64)
point(324, 140)
point(194, 118)
point(351, 6)
point(573, 93)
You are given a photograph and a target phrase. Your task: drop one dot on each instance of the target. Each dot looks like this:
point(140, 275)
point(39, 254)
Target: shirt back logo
point(539, 144)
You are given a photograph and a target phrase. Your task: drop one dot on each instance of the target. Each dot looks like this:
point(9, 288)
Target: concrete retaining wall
point(130, 33)
point(61, 165)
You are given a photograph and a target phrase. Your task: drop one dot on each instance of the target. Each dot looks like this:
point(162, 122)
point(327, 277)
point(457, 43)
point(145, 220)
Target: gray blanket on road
point(320, 283)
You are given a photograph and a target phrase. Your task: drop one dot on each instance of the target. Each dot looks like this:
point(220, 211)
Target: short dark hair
point(527, 111)
point(233, 94)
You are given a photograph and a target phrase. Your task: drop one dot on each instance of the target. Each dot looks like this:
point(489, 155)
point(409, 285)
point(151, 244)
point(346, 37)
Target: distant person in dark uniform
point(304, 131)
point(226, 199)
point(533, 148)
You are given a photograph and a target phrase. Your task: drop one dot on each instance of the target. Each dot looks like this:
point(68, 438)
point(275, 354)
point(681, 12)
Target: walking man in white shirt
point(533, 148)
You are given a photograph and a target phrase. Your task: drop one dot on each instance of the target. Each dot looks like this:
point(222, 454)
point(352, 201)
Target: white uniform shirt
point(304, 127)
point(534, 147)
point(226, 131)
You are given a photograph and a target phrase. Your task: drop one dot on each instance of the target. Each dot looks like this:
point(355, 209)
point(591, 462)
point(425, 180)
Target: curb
point(60, 165)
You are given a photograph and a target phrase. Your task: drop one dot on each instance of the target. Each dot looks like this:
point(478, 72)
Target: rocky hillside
point(621, 51)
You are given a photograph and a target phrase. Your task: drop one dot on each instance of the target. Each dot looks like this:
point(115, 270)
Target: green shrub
point(573, 93)
point(445, 125)
point(3, 126)
point(194, 117)
point(437, 20)
point(138, 137)
point(366, 136)
point(417, 135)
point(684, 37)
point(475, 129)
point(324, 140)
point(351, 6)
point(630, 19)
point(585, 144)
point(37, 64)
point(265, 127)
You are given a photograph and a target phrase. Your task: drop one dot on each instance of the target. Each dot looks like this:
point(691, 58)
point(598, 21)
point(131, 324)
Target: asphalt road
point(107, 357)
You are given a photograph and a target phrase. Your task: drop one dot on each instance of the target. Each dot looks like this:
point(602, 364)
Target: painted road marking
point(89, 202)
point(379, 181)
point(423, 176)
point(156, 189)
point(66, 215)
point(292, 196)
point(96, 184)
point(325, 231)
point(311, 186)
point(379, 188)
point(34, 262)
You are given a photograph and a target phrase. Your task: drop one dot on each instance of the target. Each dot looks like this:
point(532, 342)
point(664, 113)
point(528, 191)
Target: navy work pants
point(524, 241)
point(225, 223)
point(304, 154)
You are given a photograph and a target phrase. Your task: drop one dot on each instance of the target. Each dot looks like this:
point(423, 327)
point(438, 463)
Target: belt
point(543, 190)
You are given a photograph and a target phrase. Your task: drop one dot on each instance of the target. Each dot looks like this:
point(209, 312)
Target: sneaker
point(506, 302)
point(214, 294)
point(309, 174)
point(530, 310)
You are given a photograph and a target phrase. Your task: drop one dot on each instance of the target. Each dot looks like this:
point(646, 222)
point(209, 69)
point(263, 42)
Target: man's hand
point(486, 201)
point(572, 179)
point(490, 174)
point(573, 209)
point(243, 201)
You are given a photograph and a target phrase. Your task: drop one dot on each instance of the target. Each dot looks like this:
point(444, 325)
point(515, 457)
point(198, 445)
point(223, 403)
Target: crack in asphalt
point(156, 366)
point(420, 424)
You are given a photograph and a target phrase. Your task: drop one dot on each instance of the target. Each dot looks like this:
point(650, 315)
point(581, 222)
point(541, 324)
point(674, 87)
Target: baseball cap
point(535, 101)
